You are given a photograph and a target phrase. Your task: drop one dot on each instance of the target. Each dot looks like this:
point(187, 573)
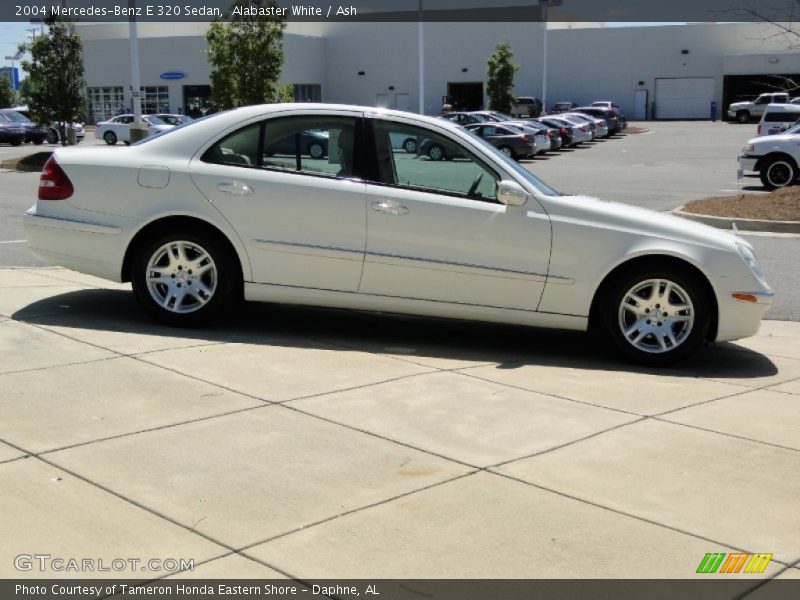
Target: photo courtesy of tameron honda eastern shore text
point(331, 205)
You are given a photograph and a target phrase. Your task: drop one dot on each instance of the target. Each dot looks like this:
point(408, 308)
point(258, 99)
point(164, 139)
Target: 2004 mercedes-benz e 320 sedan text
point(325, 205)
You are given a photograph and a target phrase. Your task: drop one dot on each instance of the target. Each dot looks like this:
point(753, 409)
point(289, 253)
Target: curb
point(741, 224)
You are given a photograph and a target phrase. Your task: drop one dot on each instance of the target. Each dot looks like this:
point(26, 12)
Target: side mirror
point(511, 193)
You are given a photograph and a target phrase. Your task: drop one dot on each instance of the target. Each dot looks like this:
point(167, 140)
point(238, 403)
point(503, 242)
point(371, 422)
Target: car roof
point(782, 107)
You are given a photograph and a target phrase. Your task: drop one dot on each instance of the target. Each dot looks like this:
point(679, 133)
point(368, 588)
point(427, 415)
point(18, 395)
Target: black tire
point(777, 172)
point(227, 278)
point(410, 145)
point(52, 136)
point(317, 150)
point(436, 152)
point(110, 138)
point(508, 151)
point(743, 116)
point(39, 140)
point(613, 321)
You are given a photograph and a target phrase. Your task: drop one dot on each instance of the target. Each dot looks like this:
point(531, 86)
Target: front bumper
point(748, 162)
point(741, 318)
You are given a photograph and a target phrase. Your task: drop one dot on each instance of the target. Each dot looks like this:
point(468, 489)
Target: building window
point(155, 99)
point(307, 92)
point(105, 102)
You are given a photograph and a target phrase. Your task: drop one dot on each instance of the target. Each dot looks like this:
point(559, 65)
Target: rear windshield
point(782, 116)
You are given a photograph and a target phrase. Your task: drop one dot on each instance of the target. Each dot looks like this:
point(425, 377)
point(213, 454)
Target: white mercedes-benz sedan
point(243, 203)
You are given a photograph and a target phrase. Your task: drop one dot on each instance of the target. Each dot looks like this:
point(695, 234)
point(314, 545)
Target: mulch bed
point(780, 205)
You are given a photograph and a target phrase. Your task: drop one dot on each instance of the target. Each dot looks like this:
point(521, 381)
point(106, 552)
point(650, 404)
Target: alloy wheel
point(656, 316)
point(181, 277)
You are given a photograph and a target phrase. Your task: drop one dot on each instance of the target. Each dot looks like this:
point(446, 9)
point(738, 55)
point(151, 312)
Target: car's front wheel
point(410, 145)
point(777, 172)
point(658, 317)
point(743, 116)
point(110, 138)
point(184, 278)
point(316, 150)
point(436, 152)
point(52, 136)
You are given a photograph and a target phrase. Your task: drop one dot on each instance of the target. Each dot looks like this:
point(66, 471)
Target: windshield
point(153, 120)
point(14, 116)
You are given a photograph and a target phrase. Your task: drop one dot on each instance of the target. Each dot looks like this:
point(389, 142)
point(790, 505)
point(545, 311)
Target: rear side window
point(318, 145)
point(781, 117)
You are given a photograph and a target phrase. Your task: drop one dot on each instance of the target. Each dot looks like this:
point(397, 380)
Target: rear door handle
point(235, 188)
point(390, 207)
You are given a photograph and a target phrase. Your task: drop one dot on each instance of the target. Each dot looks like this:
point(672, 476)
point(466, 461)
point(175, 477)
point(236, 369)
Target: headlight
point(749, 148)
point(749, 258)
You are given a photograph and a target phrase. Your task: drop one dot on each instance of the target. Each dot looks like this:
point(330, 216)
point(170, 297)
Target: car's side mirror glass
point(511, 193)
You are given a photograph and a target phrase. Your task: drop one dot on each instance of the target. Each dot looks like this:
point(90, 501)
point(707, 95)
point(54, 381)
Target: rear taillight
point(551, 134)
point(563, 131)
point(54, 183)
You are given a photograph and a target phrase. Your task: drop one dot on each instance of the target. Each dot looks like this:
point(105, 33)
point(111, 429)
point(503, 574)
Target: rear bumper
point(84, 246)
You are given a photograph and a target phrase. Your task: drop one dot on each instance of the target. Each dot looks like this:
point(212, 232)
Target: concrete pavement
point(311, 443)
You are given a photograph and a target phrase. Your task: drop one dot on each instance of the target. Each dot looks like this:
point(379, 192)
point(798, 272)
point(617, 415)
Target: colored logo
point(736, 562)
point(173, 75)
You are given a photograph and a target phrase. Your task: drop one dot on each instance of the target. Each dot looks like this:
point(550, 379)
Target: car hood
point(615, 215)
point(782, 137)
point(739, 105)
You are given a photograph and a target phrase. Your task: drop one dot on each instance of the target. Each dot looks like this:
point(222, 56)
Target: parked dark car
point(435, 150)
point(511, 141)
point(564, 130)
point(11, 133)
point(610, 116)
point(312, 143)
point(563, 106)
point(33, 133)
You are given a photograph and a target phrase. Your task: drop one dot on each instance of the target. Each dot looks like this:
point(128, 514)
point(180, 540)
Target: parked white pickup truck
point(774, 157)
point(743, 112)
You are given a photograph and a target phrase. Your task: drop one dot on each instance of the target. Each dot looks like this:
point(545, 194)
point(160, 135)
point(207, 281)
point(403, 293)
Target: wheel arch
point(775, 154)
point(654, 260)
point(173, 222)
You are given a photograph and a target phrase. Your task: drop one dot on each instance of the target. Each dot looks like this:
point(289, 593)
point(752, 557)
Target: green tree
point(25, 90)
point(55, 69)
point(246, 57)
point(500, 84)
point(7, 95)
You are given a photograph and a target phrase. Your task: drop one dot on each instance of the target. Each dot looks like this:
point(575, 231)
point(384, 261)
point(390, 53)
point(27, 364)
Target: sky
point(11, 35)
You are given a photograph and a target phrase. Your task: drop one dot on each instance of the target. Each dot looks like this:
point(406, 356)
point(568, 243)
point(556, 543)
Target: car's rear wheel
point(316, 150)
point(52, 136)
point(743, 116)
point(777, 172)
point(657, 317)
point(507, 150)
point(436, 152)
point(410, 145)
point(110, 138)
point(184, 278)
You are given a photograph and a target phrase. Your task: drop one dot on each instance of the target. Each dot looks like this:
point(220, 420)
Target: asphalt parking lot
point(311, 443)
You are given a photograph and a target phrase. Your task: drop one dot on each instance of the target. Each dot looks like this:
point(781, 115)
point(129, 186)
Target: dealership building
point(663, 72)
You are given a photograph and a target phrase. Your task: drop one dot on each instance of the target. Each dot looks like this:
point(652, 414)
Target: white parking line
point(14, 242)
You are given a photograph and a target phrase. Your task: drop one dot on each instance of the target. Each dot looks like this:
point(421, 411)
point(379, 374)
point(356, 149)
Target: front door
point(436, 231)
point(286, 185)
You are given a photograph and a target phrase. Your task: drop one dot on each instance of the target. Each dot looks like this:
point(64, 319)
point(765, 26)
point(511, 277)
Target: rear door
point(301, 214)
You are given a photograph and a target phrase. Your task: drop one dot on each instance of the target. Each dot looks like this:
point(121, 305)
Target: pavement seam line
point(625, 514)
point(346, 513)
point(732, 435)
point(121, 496)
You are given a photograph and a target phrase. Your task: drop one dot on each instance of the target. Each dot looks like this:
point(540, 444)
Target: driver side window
point(419, 159)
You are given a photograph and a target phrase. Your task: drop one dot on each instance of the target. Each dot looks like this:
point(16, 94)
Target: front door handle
point(235, 188)
point(390, 207)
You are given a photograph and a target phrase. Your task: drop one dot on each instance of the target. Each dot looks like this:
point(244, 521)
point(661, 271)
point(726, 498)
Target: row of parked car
point(16, 128)
point(526, 138)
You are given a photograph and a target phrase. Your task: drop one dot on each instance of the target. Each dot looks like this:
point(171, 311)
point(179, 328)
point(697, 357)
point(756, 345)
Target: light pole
point(421, 60)
point(137, 129)
point(545, 4)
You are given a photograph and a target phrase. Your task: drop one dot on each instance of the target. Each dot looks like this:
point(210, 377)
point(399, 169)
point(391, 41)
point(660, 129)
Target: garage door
point(684, 98)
